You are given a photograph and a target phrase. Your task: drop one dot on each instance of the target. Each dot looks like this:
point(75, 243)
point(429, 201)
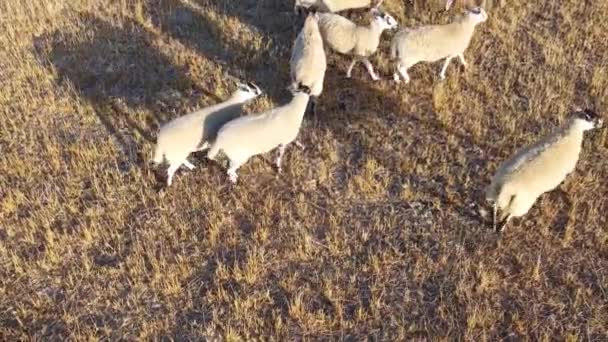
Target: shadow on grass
point(129, 83)
point(259, 54)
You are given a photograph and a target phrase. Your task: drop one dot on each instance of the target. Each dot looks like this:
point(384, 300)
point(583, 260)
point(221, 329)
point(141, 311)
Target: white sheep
point(335, 5)
point(471, 3)
point(434, 42)
point(247, 136)
point(308, 61)
point(193, 132)
point(346, 37)
point(538, 168)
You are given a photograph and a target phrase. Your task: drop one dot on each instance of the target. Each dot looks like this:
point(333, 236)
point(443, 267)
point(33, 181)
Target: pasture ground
point(374, 230)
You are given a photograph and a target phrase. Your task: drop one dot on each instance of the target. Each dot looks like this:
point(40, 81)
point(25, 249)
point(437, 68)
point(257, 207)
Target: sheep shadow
point(259, 54)
point(130, 84)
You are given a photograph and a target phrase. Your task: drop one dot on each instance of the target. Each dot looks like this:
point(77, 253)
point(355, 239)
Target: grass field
point(373, 231)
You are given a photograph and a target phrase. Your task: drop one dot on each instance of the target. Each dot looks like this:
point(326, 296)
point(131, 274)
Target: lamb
point(308, 62)
point(435, 42)
point(335, 5)
point(193, 132)
point(346, 37)
point(247, 136)
point(538, 168)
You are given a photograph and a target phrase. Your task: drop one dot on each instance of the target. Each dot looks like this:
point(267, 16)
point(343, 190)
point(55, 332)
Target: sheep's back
point(251, 135)
point(337, 32)
point(431, 43)
point(308, 60)
point(182, 133)
point(341, 5)
point(214, 121)
point(543, 167)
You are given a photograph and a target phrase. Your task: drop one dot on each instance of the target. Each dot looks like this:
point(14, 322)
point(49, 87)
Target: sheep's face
point(478, 14)
point(298, 4)
point(248, 91)
point(589, 119)
point(299, 89)
point(386, 21)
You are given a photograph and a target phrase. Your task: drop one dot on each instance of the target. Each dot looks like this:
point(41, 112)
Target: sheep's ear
point(242, 86)
point(375, 12)
point(255, 88)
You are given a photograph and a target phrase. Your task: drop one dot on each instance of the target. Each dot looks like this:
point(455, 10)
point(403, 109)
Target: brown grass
point(372, 231)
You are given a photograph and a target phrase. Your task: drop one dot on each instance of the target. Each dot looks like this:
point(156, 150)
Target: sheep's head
point(301, 89)
point(247, 91)
point(386, 21)
point(477, 14)
point(588, 119)
point(302, 4)
point(312, 15)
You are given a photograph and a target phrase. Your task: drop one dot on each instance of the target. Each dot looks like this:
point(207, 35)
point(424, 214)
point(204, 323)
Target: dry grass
point(373, 230)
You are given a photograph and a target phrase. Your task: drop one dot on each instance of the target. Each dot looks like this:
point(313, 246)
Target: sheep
point(346, 37)
point(308, 61)
point(247, 136)
point(335, 5)
point(193, 132)
point(538, 168)
point(434, 42)
point(483, 3)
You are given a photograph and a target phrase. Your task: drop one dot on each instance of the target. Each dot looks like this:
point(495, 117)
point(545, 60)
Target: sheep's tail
point(213, 151)
point(505, 196)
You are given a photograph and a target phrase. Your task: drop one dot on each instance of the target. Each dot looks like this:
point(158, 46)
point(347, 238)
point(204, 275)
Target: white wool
point(537, 169)
point(308, 62)
point(337, 5)
point(344, 36)
point(434, 42)
point(251, 135)
point(180, 137)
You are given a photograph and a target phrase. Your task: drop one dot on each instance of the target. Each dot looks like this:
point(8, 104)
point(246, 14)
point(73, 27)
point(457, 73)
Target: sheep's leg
point(370, 69)
point(170, 172)
point(401, 69)
point(234, 165)
point(204, 146)
point(188, 164)
point(351, 66)
point(445, 66)
point(448, 4)
point(461, 58)
point(280, 156)
point(503, 223)
point(313, 105)
point(494, 213)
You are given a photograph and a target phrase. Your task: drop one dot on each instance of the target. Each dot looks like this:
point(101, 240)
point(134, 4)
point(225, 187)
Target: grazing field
point(378, 229)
